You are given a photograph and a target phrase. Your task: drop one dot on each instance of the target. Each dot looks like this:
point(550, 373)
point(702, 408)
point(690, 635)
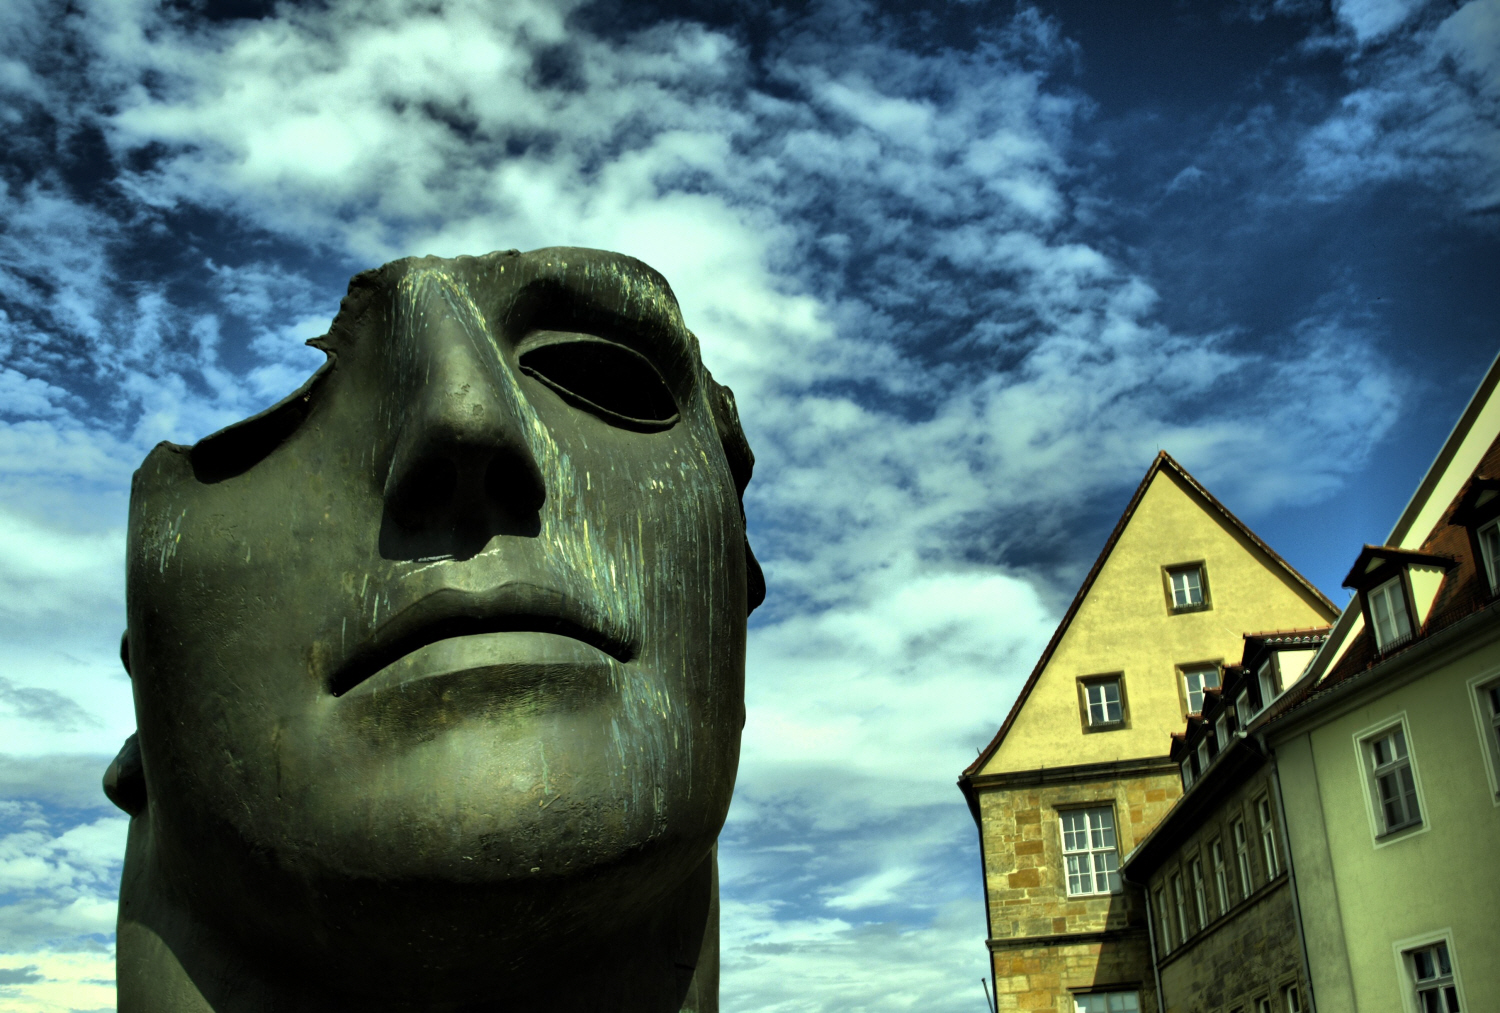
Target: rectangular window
point(1104, 702)
point(1394, 785)
point(1184, 927)
point(1187, 587)
point(1243, 709)
point(1388, 610)
point(1291, 999)
point(1269, 678)
point(1489, 706)
point(1267, 838)
point(1432, 978)
point(1107, 1002)
point(1166, 923)
point(1187, 773)
point(1089, 851)
point(1200, 896)
point(1221, 875)
point(1203, 757)
point(1195, 680)
point(1221, 731)
point(1242, 858)
point(1489, 548)
point(1263, 1005)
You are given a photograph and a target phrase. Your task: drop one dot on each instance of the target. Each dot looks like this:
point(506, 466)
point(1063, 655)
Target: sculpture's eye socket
point(616, 383)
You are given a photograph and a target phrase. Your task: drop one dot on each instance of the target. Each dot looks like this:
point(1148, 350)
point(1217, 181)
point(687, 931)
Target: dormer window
point(1187, 587)
point(1221, 730)
point(1203, 757)
point(1187, 773)
point(1244, 710)
point(1479, 510)
point(1391, 617)
point(1489, 547)
point(1269, 678)
point(1398, 589)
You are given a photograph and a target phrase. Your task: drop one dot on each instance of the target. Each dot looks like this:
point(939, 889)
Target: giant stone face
point(458, 627)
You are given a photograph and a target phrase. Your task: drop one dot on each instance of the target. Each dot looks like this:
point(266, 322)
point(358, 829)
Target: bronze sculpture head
point(439, 663)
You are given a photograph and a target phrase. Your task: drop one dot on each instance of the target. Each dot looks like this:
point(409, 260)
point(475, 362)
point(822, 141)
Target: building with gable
point(1388, 753)
point(1333, 847)
point(1081, 770)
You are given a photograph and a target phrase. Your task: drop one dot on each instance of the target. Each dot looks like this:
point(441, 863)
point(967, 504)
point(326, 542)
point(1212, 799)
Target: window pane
point(1451, 994)
point(1444, 967)
point(1423, 961)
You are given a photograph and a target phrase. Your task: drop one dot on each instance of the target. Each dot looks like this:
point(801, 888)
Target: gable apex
point(1211, 506)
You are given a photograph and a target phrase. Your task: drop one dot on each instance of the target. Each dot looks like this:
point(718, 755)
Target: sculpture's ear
point(125, 780)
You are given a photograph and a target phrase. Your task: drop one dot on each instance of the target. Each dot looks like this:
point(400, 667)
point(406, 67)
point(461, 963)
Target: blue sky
point(967, 267)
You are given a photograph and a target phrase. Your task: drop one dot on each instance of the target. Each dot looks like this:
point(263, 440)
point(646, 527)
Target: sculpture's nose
point(462, 469)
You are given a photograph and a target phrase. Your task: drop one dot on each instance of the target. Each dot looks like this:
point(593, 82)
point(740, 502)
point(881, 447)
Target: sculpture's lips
point(450, 612)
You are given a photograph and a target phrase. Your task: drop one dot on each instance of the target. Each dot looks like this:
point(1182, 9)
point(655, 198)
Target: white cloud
point(879, 249)
point(1373, 19)
point(1426, 108)
point(49, 981)
point(774, 964)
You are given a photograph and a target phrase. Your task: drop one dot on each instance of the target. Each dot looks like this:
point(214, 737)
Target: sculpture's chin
point(489, 837)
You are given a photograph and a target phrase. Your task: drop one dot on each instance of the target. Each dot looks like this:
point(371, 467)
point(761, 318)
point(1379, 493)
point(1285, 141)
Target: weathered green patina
point(439, 663)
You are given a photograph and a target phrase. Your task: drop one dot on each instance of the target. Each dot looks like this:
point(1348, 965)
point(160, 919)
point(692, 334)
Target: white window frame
point(1242, 858)
point(1188, 587)
point(1263, 1004)
point(1291, 998)
point(1179, 898)
point(1188, 671)
point(1267, 837)
point(1488, 537)
point(1104, 702)
point(1203, 758)
point(1094, 853)
point(1268, 677)
point(1187, 772)
point(1165, 920)
point(1221, 875)
point(1083, 1003)
point(1243, 715)
point(1388, 596)
point(1363, 741)
point(1485, 720)
point(1404, 951)
point(1200, 895)
point(1221, 730)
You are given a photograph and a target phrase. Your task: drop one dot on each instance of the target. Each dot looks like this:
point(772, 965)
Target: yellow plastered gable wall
point(1125, 624)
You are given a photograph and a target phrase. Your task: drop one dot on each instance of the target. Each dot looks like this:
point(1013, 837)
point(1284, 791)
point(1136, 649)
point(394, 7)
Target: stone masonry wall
point(1243, 953)
point(1028, 898)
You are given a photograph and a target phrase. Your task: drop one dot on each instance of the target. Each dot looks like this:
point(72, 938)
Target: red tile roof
point(1463, 591)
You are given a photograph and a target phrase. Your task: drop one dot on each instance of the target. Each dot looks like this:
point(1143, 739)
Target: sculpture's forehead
point(559, 288)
